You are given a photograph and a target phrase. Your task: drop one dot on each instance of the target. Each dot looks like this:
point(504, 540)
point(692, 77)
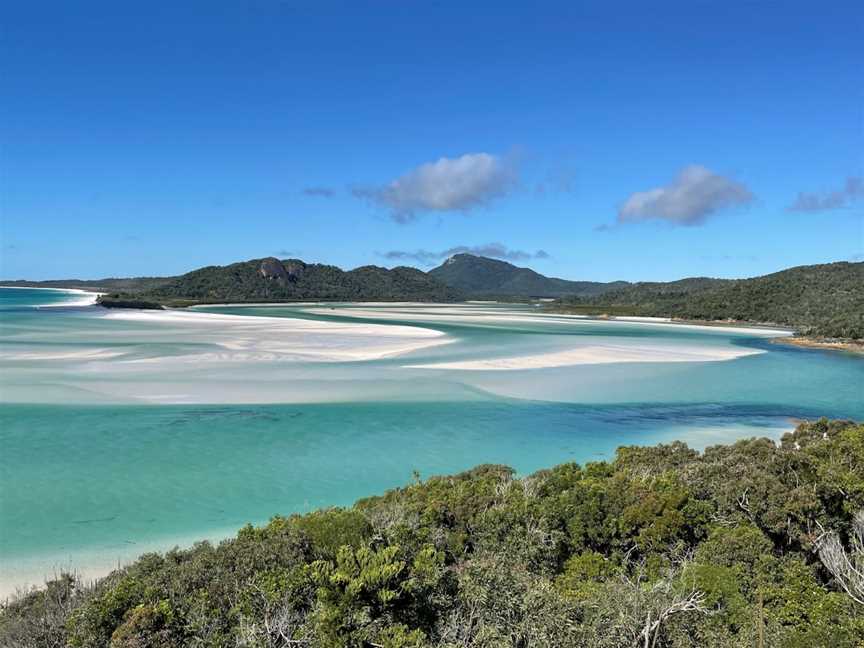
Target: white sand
point(88, 298)
point(635, 318)
point(250, 339)
point(479, 311)
point(196, 356)
point(90, 563)
point(450, 313)
point(597, 354)
point(85, 354)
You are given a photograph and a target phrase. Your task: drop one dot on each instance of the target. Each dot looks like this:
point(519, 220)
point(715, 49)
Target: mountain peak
point(481, 276)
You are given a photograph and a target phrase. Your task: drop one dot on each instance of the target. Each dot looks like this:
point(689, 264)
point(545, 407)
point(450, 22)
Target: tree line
point(819, 300)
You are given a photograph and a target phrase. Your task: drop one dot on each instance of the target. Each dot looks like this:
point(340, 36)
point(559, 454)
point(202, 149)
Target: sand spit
point(597, 354)
point(249, 339)
point(477, 314)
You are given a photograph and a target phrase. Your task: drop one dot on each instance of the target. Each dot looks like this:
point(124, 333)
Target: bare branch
point(846, 567)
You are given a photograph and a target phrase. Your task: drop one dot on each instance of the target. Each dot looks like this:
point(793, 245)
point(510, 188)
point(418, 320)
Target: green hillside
point(818, 300)
point(272, 280)
point(478, 276)
point(662, 547)
point(111, 284)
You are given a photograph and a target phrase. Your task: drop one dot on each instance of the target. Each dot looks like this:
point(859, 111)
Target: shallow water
point(121, 435)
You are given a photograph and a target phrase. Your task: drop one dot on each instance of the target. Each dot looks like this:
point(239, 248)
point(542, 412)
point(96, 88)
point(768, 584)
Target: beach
point(594, 355)
point(257, 339)
point(87, 297)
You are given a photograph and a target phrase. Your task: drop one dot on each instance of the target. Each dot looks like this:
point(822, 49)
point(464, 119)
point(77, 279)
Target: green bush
point(661, 544)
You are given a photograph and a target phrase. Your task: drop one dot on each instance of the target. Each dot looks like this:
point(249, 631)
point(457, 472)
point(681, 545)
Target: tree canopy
point(662, 546)
point(819, 300)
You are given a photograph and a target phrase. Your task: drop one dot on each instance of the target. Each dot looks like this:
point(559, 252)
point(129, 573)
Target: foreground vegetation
point(818, 301)
point(660, 547)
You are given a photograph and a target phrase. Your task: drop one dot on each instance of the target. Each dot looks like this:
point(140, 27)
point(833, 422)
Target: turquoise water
point(25, 299)
point(92, 472)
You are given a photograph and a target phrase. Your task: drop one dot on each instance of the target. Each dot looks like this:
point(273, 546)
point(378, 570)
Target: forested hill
point(109, 284)
point(745, 545)
point(820, 300)
point(478, 276)
point(273, 280)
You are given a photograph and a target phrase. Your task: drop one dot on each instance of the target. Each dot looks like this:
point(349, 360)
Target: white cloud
point(837, 199)
point(457, 184)
point(696, 194)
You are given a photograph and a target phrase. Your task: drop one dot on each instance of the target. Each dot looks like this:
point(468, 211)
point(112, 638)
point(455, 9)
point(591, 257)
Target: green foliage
point(38, 617)
point(116, 300)
point(329, 530)
point(130, 285)
point(819, 300)
point(94, 624)
point(478, 276)
point(366, 590)
point(583, 575)
point(271, 280)
point(146, 626)
point(663, 545)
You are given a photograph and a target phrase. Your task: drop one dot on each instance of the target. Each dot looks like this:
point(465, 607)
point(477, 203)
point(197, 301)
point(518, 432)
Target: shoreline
point(72, 290)
point(94, 562)
point(721, 325)
point(855, 347)
point(91, 300)
point(737, 325)
point(728, 325)
point(592, 355)
point(262, 338)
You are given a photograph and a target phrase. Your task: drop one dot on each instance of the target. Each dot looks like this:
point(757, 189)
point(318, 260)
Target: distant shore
point(787, 334)
point(91, 299)
point(849, 346)
point(75, 290)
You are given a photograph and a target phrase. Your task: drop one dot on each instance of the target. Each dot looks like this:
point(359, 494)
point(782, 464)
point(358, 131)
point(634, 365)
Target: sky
point(588, 140)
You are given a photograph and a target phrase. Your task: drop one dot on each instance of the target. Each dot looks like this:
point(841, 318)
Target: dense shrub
point(662, 546)
point(819, 300)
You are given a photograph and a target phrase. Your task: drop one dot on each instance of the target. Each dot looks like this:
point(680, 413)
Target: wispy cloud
point(283, 253)
point(690, 199)
point(448, 184)
point(319, 192)
point(493, 250)
point(837, 199)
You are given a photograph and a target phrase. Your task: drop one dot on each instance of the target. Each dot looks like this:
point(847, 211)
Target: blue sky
point(619, 140)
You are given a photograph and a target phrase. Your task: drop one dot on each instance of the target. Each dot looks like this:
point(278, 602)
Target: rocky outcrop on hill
point(272, 268)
